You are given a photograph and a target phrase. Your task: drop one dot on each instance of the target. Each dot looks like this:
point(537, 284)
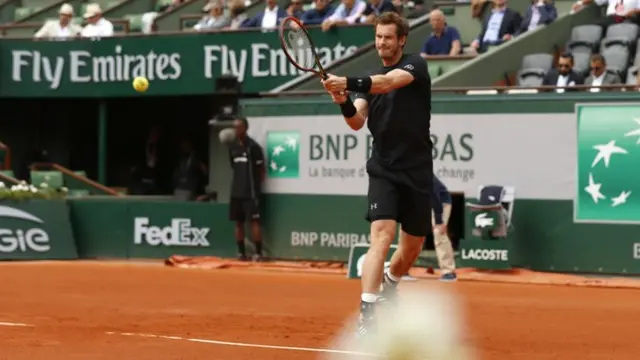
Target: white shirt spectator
point(102, 28)
point(350, 16)
point(54, 29)
point(270, 18)
point(597, 81)
point(563, 81)
point(619, 7)
point(535, 16)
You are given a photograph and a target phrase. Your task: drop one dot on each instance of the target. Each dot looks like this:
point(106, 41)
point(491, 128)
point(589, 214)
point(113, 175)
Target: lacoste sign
point(485, 254)
point(25, 238)
point(178, 233)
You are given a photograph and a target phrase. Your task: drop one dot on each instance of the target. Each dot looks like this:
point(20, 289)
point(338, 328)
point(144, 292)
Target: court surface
point(105, 310)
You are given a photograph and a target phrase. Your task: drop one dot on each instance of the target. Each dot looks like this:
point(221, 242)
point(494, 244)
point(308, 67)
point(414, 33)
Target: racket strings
point(298, 46)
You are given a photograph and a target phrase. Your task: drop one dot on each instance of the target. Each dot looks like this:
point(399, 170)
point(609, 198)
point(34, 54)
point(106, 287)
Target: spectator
point(150, 170)
point(375, 8)
point(444, 40)
point(599, 74)
point(247, 161)
point(149, 17)
point(539, 13)
point(478, 7)
point(215, 19)
point(318, 14)
point(61, 29)
point(189, 177)
point(347, 13)
point(617, 10)
point(294, 8)
point(564, 76)
point(497, 28)
point(267, 19)
point(237, 10)
point(97, 26)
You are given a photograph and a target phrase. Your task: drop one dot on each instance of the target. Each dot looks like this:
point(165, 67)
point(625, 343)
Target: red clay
point(73, 305)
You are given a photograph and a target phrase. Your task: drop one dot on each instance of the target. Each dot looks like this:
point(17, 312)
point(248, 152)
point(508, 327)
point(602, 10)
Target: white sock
point(391, 276)
point(369, 297)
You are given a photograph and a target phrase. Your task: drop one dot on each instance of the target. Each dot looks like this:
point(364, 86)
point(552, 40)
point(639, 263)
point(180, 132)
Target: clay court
point(105, 310)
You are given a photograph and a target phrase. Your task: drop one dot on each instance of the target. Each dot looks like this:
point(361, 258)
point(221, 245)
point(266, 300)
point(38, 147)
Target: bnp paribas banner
point(321, 155)
point(608, 186)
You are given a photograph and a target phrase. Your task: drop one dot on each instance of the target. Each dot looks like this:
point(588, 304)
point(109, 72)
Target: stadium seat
point(617, 58)
point(135, 22)
point(632, 72)
point(23, 12)
point(490, 196)
point(626, 31)
point(53, 179)
point(162, 3)
point(537, 61)
point(435, 71)
point(581, 62)
point(531, 77)
point(585, 37)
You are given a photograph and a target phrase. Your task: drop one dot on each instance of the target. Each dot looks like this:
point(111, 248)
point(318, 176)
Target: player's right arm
point(354, 112)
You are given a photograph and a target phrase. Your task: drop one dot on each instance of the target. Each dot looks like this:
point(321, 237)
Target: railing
point(9, 179)
point(481, 90)
point(67, 172)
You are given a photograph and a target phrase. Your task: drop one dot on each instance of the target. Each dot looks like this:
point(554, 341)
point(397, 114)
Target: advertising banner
point(608, 158)
point(36, 230)
point(321, 155)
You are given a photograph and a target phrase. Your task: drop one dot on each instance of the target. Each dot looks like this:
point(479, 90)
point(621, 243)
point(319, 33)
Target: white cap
point(210, 5)
point(66, 9)
point(92, 10)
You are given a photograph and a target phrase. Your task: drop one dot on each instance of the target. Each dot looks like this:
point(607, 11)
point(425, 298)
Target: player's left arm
point(412, 69)
point(394, 79)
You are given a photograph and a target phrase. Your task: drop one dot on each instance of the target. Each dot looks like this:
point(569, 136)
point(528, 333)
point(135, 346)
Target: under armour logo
point(409, 67)
point(373, 206)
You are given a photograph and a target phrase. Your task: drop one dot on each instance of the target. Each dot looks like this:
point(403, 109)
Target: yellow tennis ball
point(140, 84)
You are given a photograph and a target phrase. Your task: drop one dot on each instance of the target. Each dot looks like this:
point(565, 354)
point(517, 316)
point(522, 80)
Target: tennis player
point(396, 100)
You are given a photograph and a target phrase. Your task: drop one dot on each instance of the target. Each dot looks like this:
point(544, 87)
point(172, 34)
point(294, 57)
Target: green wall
point(545, 236)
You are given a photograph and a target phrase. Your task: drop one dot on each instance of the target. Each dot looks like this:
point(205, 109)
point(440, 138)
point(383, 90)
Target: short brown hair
point(387, 18)
point(598, 57)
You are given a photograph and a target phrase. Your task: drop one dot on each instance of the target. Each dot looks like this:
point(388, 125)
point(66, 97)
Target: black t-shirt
point(399, 121)
point(247, 160)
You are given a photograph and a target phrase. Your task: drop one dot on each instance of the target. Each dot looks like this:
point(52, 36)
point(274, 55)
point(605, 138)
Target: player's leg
point(382, 210)
point(251, 212)
point(236, 215)
point(413, 214)
point(444, 249)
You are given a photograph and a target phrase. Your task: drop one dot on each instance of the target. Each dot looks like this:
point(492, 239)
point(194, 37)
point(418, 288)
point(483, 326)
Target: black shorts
point(241, 210)
point(401, 196)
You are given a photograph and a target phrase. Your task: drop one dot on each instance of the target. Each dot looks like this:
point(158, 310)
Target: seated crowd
point(502, 25)
point(96, 24)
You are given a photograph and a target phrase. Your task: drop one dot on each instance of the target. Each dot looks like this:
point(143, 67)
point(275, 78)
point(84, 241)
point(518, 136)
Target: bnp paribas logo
point(283, 148)
point(608, 183)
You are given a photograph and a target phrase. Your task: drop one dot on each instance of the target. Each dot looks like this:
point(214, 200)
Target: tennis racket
point(299, 48)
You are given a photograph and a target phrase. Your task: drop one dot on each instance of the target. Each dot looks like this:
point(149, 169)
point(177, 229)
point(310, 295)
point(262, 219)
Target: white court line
point(227, 343)
point(14, 324)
